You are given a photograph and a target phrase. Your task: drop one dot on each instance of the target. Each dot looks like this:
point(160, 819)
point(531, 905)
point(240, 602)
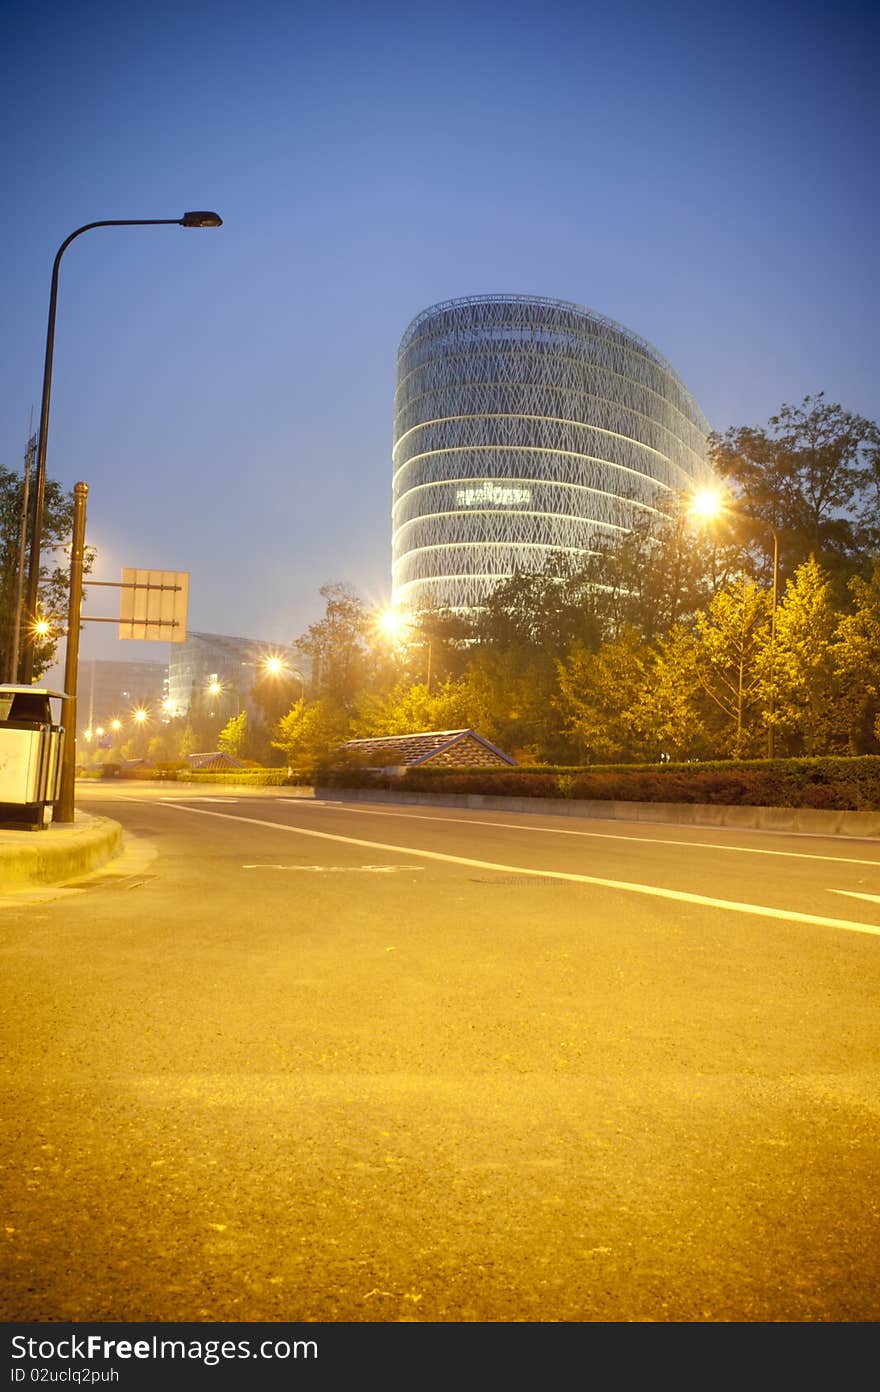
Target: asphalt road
point(299, 1061)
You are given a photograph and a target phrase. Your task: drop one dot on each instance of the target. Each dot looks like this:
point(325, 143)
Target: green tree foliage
point(231, 739)
point(188, 742)
point(339, 647)
point(670, 705)
point(547, 611)
point(407, 709)
point(310, 733)
point(600, 699)
point(857, 657)
point(660, 574)
point(731, 664)
point(805, 666)
point(53, 587)
point(813, 476)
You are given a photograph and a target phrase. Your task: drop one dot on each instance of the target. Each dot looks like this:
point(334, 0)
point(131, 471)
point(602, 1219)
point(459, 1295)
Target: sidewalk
point(61, 852)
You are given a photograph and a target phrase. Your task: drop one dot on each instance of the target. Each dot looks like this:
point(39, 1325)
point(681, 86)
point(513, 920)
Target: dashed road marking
point(339, 869)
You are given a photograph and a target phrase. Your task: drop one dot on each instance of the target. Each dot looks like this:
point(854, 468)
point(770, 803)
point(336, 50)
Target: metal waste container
point(30, 756)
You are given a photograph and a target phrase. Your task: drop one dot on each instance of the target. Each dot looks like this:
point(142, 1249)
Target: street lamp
point(275, 666)
point(193, 219)
point(707, 505)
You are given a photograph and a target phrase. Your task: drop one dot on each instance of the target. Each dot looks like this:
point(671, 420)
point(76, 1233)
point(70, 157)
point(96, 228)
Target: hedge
point(839, 784)
point(260, 777)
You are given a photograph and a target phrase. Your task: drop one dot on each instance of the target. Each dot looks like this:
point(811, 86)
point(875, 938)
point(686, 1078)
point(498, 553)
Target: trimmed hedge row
point(838, 784)
point(260, 778)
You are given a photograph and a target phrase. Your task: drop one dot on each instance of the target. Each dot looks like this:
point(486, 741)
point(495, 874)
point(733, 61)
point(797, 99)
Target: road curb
point(58, 853)
point(806, 820)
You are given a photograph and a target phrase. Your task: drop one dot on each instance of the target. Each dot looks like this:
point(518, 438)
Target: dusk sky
point(706, 175)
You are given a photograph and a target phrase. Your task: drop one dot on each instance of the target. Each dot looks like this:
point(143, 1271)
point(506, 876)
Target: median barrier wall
point(809, 820)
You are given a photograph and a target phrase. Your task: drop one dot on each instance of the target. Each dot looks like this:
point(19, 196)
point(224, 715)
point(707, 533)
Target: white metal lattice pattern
point(526, 426)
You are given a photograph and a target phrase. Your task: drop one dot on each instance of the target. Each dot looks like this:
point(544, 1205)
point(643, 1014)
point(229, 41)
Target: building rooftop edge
point(550, 302)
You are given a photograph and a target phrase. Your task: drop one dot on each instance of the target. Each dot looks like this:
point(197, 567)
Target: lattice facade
point(526, 426)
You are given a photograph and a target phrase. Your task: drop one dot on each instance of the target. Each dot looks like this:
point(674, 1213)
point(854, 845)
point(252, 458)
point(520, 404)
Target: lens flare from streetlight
point(115, 724)
point(273, 666)
point(42, 628)
point(139, 716)
point(392, 624)
point(707, 504)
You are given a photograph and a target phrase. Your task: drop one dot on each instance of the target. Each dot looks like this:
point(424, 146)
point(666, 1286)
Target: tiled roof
point(464, 748)
point(217, 759)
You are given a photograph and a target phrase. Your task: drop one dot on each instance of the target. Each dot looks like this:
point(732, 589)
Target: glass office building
point(525, 427)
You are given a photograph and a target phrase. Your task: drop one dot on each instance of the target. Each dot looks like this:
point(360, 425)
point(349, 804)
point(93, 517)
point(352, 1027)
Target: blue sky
point(705, 175)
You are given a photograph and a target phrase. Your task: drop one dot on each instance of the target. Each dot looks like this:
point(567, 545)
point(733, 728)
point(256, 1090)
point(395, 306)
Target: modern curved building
point(525, 427)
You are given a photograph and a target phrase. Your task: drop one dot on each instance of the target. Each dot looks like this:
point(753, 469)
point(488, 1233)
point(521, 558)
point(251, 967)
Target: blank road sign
point(154, 605)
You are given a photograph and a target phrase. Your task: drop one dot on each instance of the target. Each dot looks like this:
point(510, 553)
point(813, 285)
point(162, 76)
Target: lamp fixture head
point(201, 219)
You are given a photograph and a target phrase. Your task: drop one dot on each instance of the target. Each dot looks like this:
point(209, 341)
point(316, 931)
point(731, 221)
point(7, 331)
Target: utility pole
point(29, 456)
point(65, 810)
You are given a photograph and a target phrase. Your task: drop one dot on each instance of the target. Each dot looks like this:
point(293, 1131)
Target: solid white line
point(681, 896)
point(854, 894)
point(597, 835)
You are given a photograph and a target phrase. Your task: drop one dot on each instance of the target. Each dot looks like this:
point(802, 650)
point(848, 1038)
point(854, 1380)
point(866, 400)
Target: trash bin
point(30, 756)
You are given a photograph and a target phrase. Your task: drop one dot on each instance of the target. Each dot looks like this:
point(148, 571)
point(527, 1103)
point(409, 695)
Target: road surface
point(292, 1061)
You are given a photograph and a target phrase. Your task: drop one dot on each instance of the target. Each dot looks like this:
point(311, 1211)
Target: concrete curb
point(58, 853)
point(806, 820)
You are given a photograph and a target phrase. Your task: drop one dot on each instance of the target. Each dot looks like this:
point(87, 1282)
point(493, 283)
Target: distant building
point(233, 665)
point(109, 690)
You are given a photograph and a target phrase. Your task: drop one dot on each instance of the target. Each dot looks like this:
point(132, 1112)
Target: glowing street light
point(276, 666)
point(192, 219)
point(707, 504)
point(139, 716)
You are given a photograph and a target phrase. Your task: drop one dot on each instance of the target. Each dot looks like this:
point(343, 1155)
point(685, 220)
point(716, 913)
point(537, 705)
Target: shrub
point(833, 783)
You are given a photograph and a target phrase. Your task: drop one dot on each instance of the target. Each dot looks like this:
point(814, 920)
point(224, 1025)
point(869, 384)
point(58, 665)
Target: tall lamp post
point(194, 219)
point(708, 505)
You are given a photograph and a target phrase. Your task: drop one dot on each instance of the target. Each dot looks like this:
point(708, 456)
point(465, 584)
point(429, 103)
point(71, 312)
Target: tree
point(54, 578)
point(730, 667)
point(188, 743)
point(233, 735)
point(309, 734)
point(813, 476)
point(857, 661)
point(600, 698)
point(669, 705)
point(407, 709)
point(338, 646)
point(805, 669)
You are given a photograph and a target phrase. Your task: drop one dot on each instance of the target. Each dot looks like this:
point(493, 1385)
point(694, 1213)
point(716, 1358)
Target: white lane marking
point(196, 797)
point(598, 835)
point(855, 894)
point(340, 869)
point(679, 895)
